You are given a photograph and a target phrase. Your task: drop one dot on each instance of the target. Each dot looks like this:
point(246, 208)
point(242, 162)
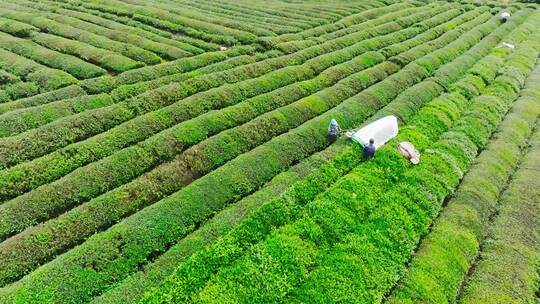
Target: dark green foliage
point(108, 60)
point(31, 50)
point(67, 31)
point(44, 98)
point(7, 78)
point(46, 78)
point(16, 28)
point(21, 90)
point(18, 121)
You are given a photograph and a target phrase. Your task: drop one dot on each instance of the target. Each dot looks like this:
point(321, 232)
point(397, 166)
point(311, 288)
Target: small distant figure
point(333, 130)
point(369, 149)
point(223, 48)
point(508, 45)
point(505, 16)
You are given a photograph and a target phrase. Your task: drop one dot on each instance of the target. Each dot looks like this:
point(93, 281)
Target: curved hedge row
point(212, 97)
point(126, 91)
point(273, 23)
point(449, 10)
point(181, 65)
point(19, 90)
point(444, 257)
point(187, 40)
point(165, 46)
point(244, 173)
point(47, 25)
point(265, 23)
point(233, 23)
point(384, 25)
point(105, 84)
point(53, 112)
point(320, 167)
point(362, 17)
point(362, 230)
point(6, 78)
point(16, 121)
point(273, 12)
point(46, 78)
point(285, 12)
point(34, 51)
point(162, 18)
point(169, 52)
point(41, 99)
point(15, 28)
point(508, 269)
point(106, 59)
point(448, 29)
point(194, 162)
point(371, 31)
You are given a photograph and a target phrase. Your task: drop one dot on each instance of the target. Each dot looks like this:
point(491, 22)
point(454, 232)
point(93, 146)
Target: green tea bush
point(251, 170)
point(18, 121)
point(444, 257)
point(44, 98)
point(31, 50)
point(67, 31)
point(16, 28)
point(167, 95)
point(106, 59)
point(361, 18)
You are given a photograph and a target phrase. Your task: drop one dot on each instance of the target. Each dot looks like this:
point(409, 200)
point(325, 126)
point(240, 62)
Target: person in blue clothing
point(369, 150)
point(333, 130)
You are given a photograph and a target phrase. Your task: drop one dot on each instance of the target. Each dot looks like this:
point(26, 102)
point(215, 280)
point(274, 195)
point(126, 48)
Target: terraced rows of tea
point(176, 151)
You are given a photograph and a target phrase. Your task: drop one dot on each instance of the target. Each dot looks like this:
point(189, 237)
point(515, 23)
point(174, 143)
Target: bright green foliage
point(244, 167)
point(176, 151)
point(252, 207)
point(507, 270)
point(351, 231)
point(507, 267)
point(18, 149)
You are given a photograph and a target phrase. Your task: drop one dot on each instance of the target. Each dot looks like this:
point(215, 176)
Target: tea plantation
point(176, 151)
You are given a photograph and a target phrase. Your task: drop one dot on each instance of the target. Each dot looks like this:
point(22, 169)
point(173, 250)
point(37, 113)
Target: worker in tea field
point(369, 149)
point(333, 130)
point(505, 16)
